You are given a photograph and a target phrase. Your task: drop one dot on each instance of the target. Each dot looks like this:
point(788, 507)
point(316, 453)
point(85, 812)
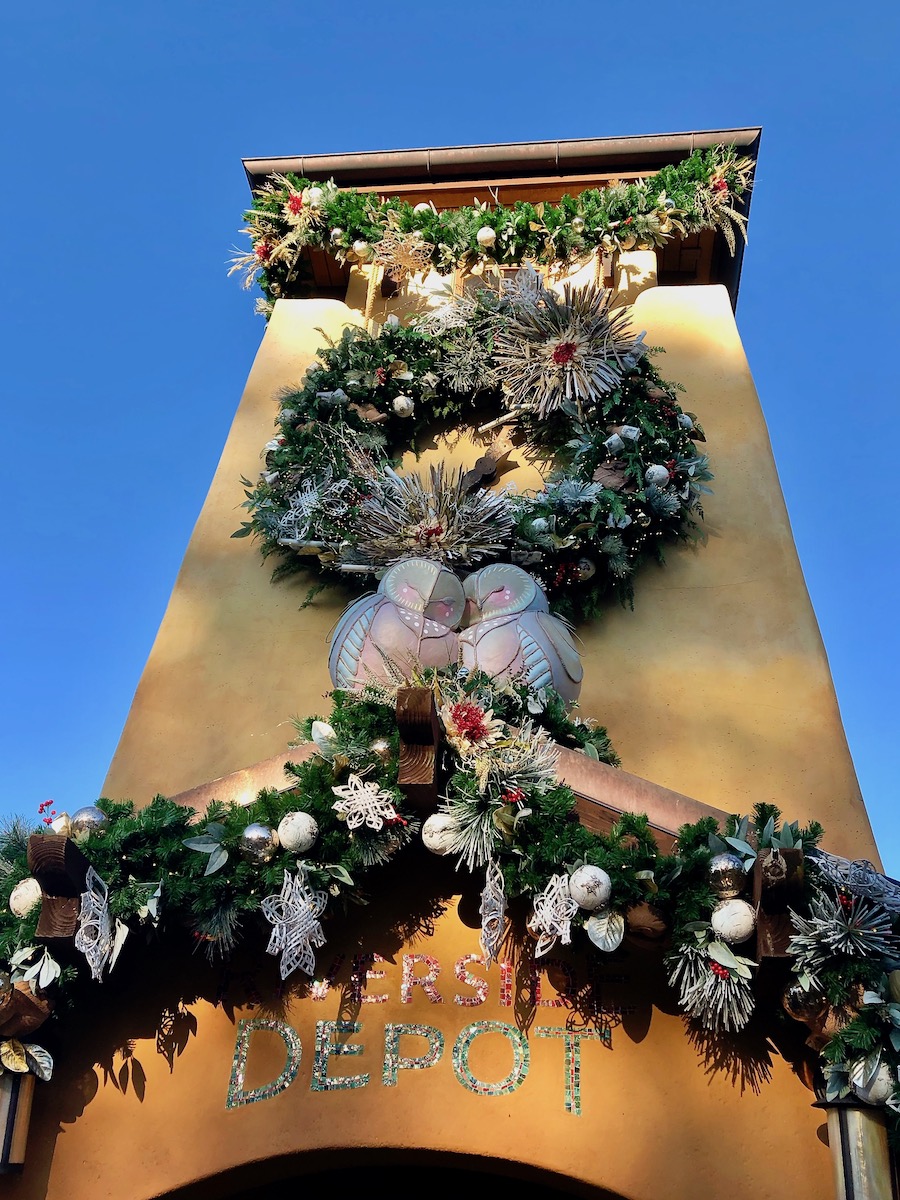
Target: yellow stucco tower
point(406, 1061)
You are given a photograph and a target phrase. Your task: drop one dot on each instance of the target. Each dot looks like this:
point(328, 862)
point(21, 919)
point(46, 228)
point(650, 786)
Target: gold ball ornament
point(727, 875)
point(381, 748)
point(25, 897)
point(258, 843)
point(297, 832)
point(627, 242)
point(803, 1004)
point(88, 820)
point(733, 921)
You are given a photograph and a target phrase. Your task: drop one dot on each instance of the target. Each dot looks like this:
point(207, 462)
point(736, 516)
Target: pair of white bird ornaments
point(422, 615)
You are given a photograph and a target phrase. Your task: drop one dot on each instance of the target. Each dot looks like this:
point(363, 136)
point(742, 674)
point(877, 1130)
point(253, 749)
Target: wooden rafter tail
point(60, 868)
point(420, 740)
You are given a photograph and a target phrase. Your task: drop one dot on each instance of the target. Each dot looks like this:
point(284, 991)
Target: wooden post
point(420, 739)
point(61, 869)
point(777, 886)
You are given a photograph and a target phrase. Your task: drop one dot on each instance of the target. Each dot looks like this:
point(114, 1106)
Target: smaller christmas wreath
point(556, 378)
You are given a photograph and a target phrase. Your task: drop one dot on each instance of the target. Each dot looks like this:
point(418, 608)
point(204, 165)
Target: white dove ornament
point(409, 622)
point(510, 632)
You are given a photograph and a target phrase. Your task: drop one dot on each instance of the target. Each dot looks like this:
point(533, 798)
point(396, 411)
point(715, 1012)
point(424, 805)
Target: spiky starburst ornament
point(403, 254)
point(553, 351)
point(840, 926)
point(436, 517)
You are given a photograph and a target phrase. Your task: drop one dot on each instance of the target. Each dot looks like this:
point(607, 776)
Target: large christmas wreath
point(555, 378)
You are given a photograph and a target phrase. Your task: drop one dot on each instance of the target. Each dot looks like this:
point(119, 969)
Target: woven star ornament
point(551, 919)
point(363, 802)
point(493, 912)
point(403, 254)
point(296, 929)
point(95, 934)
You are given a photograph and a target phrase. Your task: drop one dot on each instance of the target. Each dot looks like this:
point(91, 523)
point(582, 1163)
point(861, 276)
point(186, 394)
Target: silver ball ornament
point(381, 748)
point(404, 406)
point(486, 237)
point(258, 843)
point(590, 887)
point(336, 236)
point(297, 832)
point(628, 241)
point(733, 921)
point(362, 249)
point(25, 897)
point(578, 225)
point(438, 833)
point(685, 422)
point(88, 820)
point(727, 875)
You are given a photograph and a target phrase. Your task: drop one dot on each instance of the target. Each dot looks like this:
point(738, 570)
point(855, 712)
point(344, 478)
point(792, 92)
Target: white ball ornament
point(733, 921)
point(486, 237)
point(578, 225)
point(590, 887)
point(297, 832)
point(438, 833)
point(314, 197)
point(879, 1088)
point(685, 422)
point(25, 896)
point(362, 249)
point(423, 207)
point(657, 474)
point(404, 406)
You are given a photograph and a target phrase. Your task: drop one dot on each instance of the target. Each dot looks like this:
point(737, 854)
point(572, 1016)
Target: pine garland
point(707, 190)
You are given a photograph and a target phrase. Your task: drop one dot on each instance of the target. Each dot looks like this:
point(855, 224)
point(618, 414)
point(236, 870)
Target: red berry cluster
point(845, 901)
point(566, 572)
point(295, 202)
point(380, 376)
point(720, 186)
point(469, 720)
point(718, 970)
point(42, 808)
point(512, 795)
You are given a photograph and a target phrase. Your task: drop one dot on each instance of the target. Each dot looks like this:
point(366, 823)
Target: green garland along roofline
point(147, 852)
point(707, 190)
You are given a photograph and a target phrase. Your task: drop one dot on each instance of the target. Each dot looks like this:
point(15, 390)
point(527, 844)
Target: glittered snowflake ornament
point(363, 802)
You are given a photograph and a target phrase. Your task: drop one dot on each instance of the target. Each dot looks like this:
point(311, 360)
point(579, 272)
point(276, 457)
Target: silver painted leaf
point(606, 930)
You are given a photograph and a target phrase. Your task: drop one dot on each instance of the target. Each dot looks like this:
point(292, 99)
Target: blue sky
point(126, 347)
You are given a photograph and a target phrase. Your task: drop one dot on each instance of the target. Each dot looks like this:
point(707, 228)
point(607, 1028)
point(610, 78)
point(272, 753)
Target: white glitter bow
point(493, 912)
point(364, 802)
point(554, 909)
point(296, 928)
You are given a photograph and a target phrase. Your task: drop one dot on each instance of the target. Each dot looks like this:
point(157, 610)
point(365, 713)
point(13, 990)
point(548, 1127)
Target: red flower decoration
point(295, 202)
point(564, 353)
point(469, 720)
point(263, 251)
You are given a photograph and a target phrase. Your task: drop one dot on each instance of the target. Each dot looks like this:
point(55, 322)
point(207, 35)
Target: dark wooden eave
point(451, 176)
